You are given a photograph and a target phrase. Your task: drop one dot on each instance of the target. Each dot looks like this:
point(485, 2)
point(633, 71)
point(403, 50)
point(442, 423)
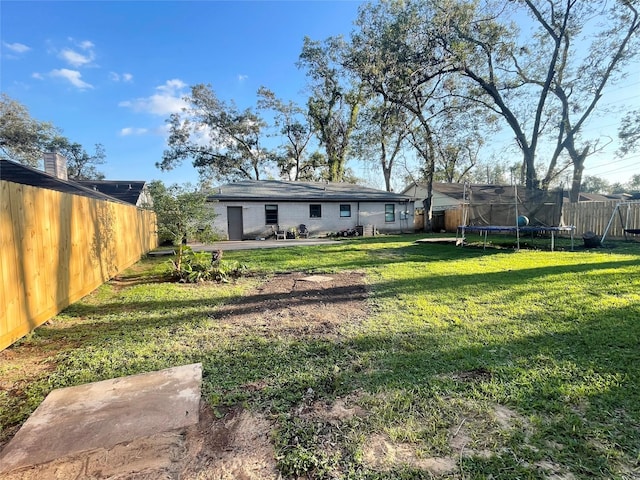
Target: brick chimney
point(56, 165)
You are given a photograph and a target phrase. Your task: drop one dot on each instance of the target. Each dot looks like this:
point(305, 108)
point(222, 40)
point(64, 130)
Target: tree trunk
point(387, 177)
point(531, 180)
point(576, 181)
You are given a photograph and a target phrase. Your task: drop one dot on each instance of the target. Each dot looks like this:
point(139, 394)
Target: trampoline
point(484, 231)
point(503, 209)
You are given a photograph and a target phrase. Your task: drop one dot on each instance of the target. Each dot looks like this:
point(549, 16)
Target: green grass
point(455, 338)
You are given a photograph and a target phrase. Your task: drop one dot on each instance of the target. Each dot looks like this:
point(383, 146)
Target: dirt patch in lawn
point(299, 305)
point(238, 445)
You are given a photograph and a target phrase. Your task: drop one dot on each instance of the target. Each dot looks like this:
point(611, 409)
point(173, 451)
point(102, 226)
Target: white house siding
point(439, 201)
point(292, 214)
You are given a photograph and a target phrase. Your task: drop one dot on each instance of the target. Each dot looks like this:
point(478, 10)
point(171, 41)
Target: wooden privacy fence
point(594, 217)
point(57, 247)
point(585, 216)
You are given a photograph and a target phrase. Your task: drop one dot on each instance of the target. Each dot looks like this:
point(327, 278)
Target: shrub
point(193, 267)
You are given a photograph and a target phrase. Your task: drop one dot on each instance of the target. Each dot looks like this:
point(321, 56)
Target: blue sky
point(111, 72)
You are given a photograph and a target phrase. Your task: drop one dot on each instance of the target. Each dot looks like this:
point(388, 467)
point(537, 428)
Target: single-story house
point(444, 196)
point(25, 175)
point(134, 192)
point(257, 208)
point(54, 177)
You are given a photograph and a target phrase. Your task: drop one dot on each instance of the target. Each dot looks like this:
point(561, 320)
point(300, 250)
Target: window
point(271, 214)
point(345, 210)
point(315, 211)
point(389, 212)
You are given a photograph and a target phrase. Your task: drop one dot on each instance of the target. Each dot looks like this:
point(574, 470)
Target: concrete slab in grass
point(104, 414)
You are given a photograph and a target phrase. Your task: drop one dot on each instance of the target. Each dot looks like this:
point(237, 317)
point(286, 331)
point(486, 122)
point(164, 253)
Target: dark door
point(437, 221)
point(234, 223)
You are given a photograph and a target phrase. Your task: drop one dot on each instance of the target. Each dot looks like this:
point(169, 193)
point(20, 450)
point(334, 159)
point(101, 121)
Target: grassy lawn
point(506, 364)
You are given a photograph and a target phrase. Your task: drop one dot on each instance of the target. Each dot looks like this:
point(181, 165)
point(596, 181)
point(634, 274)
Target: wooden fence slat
point(585, 216)
point(56, 248)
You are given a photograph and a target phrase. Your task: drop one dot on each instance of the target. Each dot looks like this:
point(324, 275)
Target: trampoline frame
point(484, 230)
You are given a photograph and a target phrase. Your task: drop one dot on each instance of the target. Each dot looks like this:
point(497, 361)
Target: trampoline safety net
point(496, 205)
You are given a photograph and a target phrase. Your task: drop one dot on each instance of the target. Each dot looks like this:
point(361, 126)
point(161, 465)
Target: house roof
point(595, 197)
point(24, 175)
point(456, 190)
point(277, 190)
point(126, 190)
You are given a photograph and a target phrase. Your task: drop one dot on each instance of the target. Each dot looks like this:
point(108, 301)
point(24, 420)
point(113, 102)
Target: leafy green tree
point(634, 183)
point(222, 141)
point(382, 135)
point(393, 54)
point(629, 132)
point(547, 84)
point(593, 184)
point(334, 102)
point(23, 139)
point(296, 127)
point(80, 164)
point(460, 131)
point(182, 212)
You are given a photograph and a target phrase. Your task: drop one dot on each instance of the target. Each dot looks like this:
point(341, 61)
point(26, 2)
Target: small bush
point(194, 267)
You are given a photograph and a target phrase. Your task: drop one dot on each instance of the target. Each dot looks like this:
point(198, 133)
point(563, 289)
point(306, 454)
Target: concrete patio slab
point(104, 414)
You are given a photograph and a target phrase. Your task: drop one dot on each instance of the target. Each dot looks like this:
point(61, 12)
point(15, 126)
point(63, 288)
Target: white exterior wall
point(292, 214)
point(439, 201)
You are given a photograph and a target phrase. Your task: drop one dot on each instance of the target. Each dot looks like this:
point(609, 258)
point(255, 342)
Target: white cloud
point(37, 76)
point(167, 100)
point(16, 47)
point(76, 59)
point(73, 76)
point(117, 77)
point(127, 131)
point(86, 45)
point(172, 86)
point(242, 78)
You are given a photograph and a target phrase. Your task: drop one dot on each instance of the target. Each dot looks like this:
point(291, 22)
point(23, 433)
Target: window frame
point(389, 214)
point(348, 209)
point(317, 206)
point(267, 209)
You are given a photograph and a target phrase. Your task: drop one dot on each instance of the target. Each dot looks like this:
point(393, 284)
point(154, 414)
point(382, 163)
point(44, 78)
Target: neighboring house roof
point(483, 192)
point(24, 175)
point(277, 190)
point(128, 191)
point(457, 190)
point(598, 197)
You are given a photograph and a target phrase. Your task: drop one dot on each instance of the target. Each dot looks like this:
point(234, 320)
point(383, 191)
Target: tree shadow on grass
point(499, 281)
point(583, 384)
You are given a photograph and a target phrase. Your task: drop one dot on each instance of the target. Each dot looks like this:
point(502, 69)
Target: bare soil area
point(237, 446)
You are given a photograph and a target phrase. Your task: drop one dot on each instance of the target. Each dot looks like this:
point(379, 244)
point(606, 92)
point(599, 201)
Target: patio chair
point(278, 232)
point(302, 231)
